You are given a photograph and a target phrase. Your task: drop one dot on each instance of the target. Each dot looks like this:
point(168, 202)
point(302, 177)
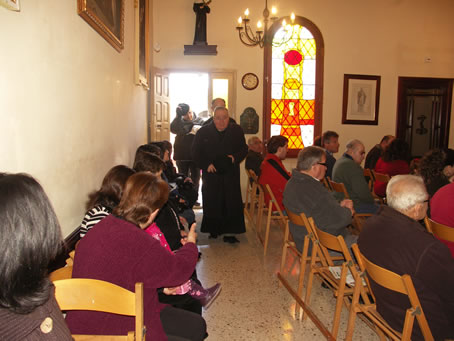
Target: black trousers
point(182, 325)
point(189, 168)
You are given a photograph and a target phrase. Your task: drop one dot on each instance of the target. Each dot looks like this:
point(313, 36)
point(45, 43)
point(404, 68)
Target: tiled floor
point(252, 305)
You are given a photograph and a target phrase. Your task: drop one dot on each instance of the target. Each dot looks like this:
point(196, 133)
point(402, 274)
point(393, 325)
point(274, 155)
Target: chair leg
point(267, 230)
point(303, 264)
point(284, 248)
point(353, 310)
point(339, 300)
point(310, 278)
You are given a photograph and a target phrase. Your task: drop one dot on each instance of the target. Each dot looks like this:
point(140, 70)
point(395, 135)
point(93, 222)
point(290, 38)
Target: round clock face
point(250, 81)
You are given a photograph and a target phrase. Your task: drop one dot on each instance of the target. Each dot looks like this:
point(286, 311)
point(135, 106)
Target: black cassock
point(221, 191)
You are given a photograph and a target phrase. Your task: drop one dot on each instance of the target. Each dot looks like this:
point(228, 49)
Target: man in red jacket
point(273, 171)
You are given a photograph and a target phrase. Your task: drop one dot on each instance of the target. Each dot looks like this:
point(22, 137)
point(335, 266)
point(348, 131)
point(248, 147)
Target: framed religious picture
point(13, 5)
point(106, 17)
point(142, 43)
point(361, 99)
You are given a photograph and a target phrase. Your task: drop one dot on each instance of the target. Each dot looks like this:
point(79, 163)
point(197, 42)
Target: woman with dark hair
point(431, 168)
point(118, 250)
point(394, 161)
point(101, 203)
point(273, 171)
point(30, 240)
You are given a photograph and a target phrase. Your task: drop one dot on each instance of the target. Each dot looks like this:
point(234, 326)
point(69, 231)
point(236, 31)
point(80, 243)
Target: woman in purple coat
point(117, 250)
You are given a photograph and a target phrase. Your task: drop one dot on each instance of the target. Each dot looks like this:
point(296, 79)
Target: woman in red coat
point(273, 171)
point(395, 160)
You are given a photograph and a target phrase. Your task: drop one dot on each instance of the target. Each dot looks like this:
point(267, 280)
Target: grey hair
point(352, 144)
point(405, 191)
point(220, 108)
point(252, 140)
point(308, 157)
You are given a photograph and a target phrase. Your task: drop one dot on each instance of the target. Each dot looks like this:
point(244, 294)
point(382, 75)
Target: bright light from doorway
point(221, 89)
point(189, 88)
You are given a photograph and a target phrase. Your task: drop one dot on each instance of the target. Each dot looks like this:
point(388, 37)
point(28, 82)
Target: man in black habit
point(218, 149)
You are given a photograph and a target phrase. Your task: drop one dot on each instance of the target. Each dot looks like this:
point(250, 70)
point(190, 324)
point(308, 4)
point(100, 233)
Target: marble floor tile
point(252, 304)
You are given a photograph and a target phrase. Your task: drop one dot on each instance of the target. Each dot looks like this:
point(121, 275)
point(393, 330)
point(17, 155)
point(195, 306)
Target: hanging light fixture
point(245, 32)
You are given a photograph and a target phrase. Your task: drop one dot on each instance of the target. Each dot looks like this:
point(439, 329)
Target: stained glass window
point(293, 85)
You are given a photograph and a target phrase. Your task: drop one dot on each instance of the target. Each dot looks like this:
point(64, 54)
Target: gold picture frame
point(13, 5)
point(142, 52)
point(107, 17)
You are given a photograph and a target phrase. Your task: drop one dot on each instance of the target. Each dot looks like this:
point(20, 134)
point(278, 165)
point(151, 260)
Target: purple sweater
point(119, 252)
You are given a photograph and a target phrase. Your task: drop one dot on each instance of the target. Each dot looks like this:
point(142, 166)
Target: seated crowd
point(394, 235)
point(140, 227)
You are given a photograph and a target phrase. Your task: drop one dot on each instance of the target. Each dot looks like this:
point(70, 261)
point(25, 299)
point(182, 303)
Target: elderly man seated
point(304, 193)
point(254, 157)
point(393, 239)
point(348, 171)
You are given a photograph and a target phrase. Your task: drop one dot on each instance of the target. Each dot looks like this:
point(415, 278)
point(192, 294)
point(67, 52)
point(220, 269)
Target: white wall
point(69, 109)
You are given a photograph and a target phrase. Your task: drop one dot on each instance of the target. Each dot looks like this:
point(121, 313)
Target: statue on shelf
point(201, 10)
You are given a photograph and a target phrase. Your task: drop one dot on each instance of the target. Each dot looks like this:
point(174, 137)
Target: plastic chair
point(392, 281)
point(96, 295)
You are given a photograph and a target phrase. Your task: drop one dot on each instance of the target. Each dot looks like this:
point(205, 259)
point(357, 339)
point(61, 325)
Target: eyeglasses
point(322, 163)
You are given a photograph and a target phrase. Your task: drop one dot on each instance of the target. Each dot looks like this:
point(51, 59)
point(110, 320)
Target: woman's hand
point(192, 235)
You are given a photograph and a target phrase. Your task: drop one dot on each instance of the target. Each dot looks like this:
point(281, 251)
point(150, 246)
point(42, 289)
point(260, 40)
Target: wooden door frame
point(424, 83)
point(267, 72)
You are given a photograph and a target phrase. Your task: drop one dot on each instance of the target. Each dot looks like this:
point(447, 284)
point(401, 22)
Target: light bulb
point(284, 23)
point(259, 24)
point(273, 10)
point(292, 17)
point(240, 20)
point(246, 13)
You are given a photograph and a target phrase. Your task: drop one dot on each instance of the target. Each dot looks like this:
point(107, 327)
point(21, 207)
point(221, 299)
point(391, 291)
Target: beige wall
point(69, 109)
point(390, 38)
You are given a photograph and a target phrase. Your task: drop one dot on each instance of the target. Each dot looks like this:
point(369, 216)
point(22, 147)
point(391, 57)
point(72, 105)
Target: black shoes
point(230, 239)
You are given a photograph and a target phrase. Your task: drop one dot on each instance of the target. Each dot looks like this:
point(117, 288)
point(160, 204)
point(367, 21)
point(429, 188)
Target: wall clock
point(250, 81)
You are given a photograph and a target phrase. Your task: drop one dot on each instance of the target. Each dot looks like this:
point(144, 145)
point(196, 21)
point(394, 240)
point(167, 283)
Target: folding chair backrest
point(439, 230)
point(368, 173)
point(381, 177)
point(96, 295)
point(339, 187)
point(65, 272)
point(275, 205)
point(404, 285)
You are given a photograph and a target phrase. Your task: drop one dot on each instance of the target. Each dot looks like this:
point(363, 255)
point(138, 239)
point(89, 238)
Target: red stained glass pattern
point(294, 49)
point(293, 57)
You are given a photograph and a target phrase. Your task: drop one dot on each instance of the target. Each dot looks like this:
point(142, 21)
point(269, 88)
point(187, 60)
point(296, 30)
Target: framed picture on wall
point(13, 5)
point(142, 43)
point(106, 17)
point(361, 99)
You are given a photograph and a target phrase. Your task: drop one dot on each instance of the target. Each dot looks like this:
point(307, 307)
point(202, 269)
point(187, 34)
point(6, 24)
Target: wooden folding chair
point(392, 281)
point(439, 230)
point(96, 295)
point(340, 279)
point(358, 218)
point(249, 195)
point(368, 173)
point(384, 178)
point(274, 213)
point(65, 272)
point(326, 181)
point(254, 199)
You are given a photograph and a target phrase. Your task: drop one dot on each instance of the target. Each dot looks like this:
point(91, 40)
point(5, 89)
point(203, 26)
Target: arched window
point(293, 88)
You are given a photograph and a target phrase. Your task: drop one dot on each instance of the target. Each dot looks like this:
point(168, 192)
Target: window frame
point(319, 66)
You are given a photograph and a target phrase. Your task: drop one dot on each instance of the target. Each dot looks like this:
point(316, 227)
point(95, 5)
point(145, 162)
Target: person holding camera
point(185, 125)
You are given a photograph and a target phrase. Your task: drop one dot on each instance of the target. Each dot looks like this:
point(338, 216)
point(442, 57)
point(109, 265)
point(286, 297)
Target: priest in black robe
point(218, 150)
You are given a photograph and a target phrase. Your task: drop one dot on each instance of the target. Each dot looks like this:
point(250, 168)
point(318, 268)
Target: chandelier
point(246, 34)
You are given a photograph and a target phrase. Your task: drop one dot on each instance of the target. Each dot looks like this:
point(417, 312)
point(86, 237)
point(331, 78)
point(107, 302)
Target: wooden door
point(424, 113)
point(160, 118)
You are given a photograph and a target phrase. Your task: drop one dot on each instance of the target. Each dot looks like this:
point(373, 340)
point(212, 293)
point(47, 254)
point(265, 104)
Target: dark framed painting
point(106, 17)
point(142, 53)
point(361, 99)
